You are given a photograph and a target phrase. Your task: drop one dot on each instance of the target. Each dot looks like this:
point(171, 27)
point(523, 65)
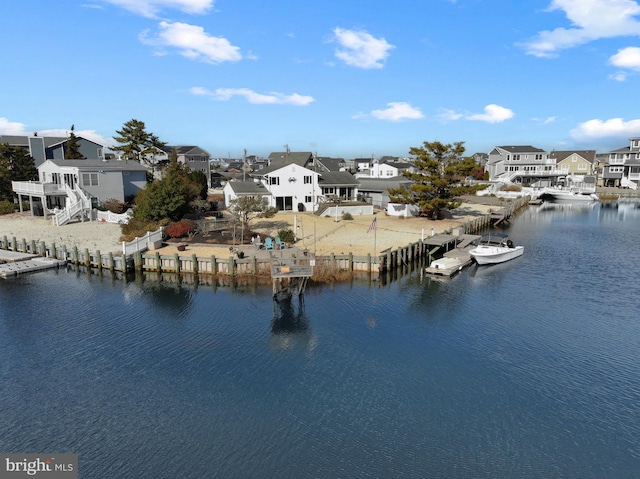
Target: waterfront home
point(72, 188)
point(237, 189)
point(622, 168)
point(575, 162)
point(522, 164)
point(192, 156)
point(43, 148)
point(375, 191)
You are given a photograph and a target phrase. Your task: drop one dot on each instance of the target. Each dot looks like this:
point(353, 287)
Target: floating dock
point(13, 263)
point(455, 259)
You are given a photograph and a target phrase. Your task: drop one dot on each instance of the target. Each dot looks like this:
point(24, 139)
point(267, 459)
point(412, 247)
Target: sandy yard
point(322, 235)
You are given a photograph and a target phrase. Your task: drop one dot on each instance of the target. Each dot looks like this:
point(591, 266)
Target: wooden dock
point(290, 276)
point(14, 263)
point(459, 252)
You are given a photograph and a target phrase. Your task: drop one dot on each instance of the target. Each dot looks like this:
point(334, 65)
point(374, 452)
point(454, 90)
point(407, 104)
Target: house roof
point(331, 164)
point(248, 188)
point(112, 165)
point(520, 149)
point(335, 178)
point(275, 167)
point(381, 185)
point(49, 141)
point(300, 158)
point(185, 150)
point(589, 155)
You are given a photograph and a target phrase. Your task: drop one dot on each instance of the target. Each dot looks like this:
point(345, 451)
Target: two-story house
point(78, 186)
point(522, 164)
point(42, 148)
point(623, 166)
point(194, 157)
point(575, 162)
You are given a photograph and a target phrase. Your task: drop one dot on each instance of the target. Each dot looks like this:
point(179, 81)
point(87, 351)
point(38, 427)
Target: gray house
point(43, 148)
point(623, 166)
point(522, 164)
point(71, 188)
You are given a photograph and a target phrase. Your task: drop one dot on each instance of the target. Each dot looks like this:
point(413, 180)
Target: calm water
point(528, 369)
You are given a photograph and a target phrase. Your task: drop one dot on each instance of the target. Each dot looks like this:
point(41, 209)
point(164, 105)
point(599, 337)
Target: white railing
point(78, 202)
point(142, 244)
point(627, 183)
point(35, 188)
point(110, 217)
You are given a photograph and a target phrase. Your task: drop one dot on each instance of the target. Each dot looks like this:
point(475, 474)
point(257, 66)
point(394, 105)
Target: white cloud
point(549, 120)
point(150, 8)
point(397, 111)
point(360, 49)
point(619, 76)
point(19, 129)
point(627, 58)
point(11, 127)
point(612, 128)
point(591, 20)
point(447, 115)
point(194, 43)
point(272, 98)
point(492, 114)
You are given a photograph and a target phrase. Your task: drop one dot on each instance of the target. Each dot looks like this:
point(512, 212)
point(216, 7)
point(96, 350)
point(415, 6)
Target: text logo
point(47, 466)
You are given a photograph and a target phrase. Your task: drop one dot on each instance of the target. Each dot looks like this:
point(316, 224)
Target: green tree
point(72, 147)
point(440, 167)
point(15, 165)
point(199, 180)
point(168, 197)
point(135, 143)
point(245, 208)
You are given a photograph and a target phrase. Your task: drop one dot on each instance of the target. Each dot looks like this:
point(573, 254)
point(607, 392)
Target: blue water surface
point(525, 369)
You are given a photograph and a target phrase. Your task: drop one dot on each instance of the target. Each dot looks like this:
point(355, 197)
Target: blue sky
point(346, 78)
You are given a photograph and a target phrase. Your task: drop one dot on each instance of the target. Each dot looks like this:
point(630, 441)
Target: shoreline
point(321, 235)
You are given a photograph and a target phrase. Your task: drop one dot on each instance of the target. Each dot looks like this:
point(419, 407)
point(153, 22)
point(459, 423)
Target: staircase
point(78, 205)
point(627, 183)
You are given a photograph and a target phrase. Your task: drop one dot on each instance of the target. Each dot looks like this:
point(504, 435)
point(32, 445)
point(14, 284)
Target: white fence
point(142, 244)
point(109, 217)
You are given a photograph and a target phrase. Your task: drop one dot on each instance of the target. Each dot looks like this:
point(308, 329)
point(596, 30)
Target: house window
point(308, 179)
point(516, 157)
point(274, 180)
point(582, 166)
point(90, 179)
point(307, 199)
point(539, 157)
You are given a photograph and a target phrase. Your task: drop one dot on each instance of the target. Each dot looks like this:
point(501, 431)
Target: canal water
point(526, 369)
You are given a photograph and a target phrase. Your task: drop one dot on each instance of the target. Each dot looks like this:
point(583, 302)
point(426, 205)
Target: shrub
point(347, 216)
point(114, 206)
point(137, 228)
point(287, 236)
point(7, 207)
point(179, 229)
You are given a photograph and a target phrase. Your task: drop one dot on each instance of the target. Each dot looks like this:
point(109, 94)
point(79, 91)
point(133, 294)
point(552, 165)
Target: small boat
point(569, 196)
point(494, 248)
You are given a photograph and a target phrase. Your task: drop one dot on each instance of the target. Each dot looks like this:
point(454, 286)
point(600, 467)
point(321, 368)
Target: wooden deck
point(290, 275)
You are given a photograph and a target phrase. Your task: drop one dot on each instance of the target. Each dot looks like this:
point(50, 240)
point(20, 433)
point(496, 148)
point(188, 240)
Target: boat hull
point(495, 254)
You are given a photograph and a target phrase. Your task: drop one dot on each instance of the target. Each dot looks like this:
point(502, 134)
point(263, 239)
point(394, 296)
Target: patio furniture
point(268, 243)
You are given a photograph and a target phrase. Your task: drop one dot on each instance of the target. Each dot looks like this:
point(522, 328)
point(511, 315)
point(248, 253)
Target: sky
point(340, 78)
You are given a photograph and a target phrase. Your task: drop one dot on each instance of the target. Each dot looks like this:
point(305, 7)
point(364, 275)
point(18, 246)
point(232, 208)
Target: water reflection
point(290, 326)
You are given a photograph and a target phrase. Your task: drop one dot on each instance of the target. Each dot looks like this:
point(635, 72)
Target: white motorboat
point(569, 195)
point(494, 248)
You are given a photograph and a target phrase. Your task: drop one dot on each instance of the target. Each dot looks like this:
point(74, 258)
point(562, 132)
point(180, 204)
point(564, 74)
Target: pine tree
point(72, 147)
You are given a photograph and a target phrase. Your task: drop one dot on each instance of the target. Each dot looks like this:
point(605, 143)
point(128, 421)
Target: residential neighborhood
point(289, 180)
